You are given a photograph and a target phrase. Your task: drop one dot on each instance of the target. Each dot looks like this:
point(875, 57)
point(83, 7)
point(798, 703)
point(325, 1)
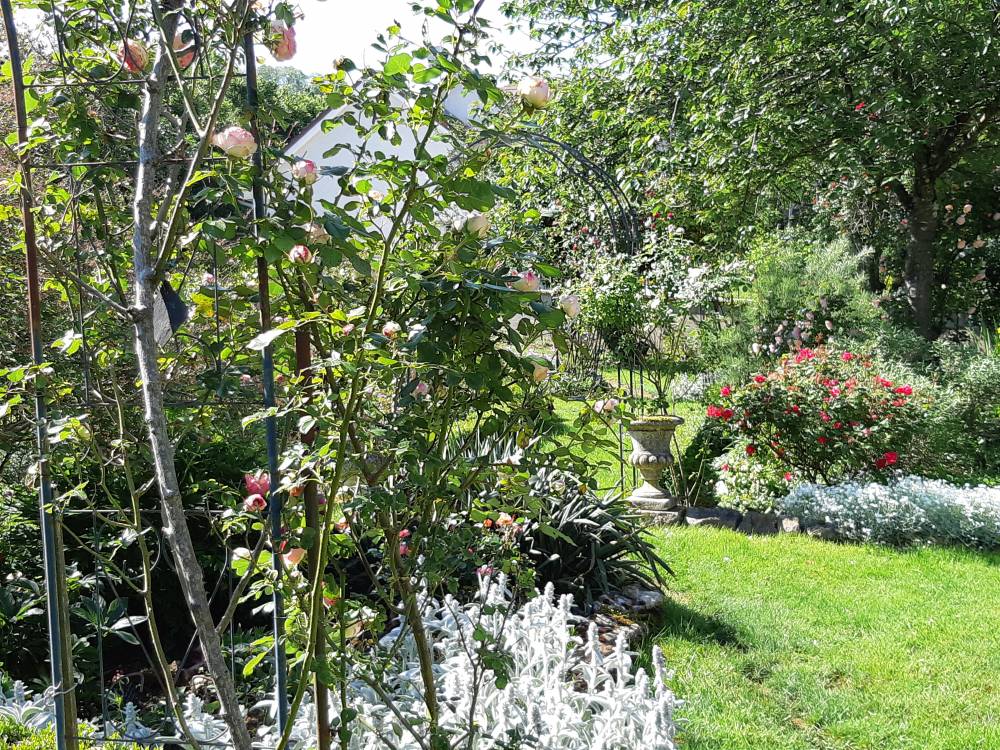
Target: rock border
point(751, 522)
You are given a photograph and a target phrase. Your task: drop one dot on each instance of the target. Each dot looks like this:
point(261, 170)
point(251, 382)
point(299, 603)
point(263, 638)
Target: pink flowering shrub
point(820, 416)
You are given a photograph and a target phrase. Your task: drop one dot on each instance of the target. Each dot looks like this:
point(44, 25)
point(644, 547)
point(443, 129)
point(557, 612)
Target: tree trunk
point(918, 270)
point(171, 506)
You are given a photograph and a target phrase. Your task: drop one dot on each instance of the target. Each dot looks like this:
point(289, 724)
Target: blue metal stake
point(275, 499)
point(62, 682)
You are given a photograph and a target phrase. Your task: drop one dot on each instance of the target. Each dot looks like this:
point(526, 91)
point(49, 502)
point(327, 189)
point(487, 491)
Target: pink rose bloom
point(254, 503)
point(348, 329)
point(185, 50)
point(236, 142)
point(404, 549)
point(300, 254)
point(421, 389)
point(540, 373)
point(404, 533)
point(534, 92)
point(726, 391)
point(281, 41)
point(246, 379)
point(208, 279)
point(257, 484)
point(294, 556)
point(391, 329)
point(305, 171)
point(528, 281)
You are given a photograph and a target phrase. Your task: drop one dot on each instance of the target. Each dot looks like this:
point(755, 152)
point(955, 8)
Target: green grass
point(606, 462)
point(787, 643)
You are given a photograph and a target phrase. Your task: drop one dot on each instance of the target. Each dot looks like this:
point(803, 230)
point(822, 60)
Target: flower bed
point(908, 510)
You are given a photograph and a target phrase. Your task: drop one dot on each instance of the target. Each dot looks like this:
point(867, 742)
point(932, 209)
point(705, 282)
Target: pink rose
point(300, 254)
point(281, 41)
point(391, 329)
point(208, 279)
point(528, 281)
point(257, 484)
point(305, 171)
point(404, 533)
point(236, 142)
point(254, 503)
point(534, 92)
point(726, 391)
point(246, 379)
point(348, 329)
point(134, 55)
point(421, 389)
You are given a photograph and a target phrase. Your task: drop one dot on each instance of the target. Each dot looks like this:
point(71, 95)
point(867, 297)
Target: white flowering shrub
point(907, 510)
point(520, 677)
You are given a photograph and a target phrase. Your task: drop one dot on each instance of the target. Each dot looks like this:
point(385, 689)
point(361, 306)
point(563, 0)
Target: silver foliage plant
point(907, 510)
point(22, 707)
point(557, 691)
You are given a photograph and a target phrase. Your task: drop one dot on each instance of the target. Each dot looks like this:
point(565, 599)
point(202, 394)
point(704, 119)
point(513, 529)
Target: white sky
point(347, 28)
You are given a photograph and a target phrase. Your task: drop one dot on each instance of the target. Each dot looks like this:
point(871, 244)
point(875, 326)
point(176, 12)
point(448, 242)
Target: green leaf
point(397, 64)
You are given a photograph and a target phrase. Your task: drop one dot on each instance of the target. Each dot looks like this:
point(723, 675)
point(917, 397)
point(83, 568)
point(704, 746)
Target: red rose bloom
point(750, 449)
point(759, 379)
point(906, 390)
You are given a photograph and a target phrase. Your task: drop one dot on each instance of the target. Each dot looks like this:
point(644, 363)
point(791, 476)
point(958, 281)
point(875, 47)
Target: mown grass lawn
point(781, 643)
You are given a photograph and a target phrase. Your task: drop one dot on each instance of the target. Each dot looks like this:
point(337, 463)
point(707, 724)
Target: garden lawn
point(781, 643)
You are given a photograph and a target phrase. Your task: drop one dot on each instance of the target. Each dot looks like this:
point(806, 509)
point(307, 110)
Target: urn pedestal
point(651, 438)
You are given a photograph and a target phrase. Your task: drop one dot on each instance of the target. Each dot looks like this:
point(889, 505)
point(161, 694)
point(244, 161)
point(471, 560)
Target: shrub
point(823, 416)
point(903, 511)
point(804, 292)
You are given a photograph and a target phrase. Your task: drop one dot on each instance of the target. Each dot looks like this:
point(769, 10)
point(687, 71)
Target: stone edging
point(751, 523)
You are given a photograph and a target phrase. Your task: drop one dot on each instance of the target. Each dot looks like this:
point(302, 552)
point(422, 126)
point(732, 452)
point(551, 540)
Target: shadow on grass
point(677, 620)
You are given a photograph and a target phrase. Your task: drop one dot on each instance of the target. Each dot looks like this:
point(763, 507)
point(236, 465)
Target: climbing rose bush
point(904, 511)
point(821, 416)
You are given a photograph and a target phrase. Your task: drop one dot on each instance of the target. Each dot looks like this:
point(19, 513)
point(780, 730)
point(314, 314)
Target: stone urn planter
point(651, 438)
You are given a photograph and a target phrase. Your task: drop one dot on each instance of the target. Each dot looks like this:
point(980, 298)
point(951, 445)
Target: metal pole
point(55, 570)
point(275, 499)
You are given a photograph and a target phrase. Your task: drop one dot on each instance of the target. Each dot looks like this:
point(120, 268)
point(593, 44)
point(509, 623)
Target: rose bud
point(185, 50)
point(294, 556)
point(134, 55)
point(254, 503)
point(570, 305)
point(534, 92)
point(236, 142)
point(476, 224)
point(300, 254)
point(528, 281)
point(305, 172)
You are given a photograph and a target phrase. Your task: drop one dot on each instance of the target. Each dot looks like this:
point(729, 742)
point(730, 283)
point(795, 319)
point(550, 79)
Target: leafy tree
point(774, 99)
